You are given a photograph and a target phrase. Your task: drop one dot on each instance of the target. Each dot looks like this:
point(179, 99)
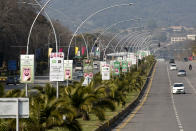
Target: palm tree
point(46, 114)
point(86, 100)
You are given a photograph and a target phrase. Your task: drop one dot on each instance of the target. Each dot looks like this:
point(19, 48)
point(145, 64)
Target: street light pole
point(132, 40)
point(109, 27)
point(93, 14)
point(29, 35)
point(112, 40)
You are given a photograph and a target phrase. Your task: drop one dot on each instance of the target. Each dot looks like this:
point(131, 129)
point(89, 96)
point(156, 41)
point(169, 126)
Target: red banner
point(83, 50)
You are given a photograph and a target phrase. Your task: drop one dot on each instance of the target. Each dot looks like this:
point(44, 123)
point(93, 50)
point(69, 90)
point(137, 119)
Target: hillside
point(164, 12)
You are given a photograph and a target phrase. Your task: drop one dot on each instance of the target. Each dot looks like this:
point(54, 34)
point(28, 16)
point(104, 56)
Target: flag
point(61, 50)
point(76, 50)
point(49, 51)
point(83, 50)
point(38, 53)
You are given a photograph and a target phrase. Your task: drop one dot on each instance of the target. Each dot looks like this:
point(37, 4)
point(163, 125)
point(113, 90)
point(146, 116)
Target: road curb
point(114, 122)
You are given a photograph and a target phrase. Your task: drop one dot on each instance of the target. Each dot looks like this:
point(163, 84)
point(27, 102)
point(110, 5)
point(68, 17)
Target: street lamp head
point(130, 3)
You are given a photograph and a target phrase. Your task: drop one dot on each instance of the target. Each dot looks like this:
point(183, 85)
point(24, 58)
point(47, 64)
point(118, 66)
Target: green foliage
point(1, 91)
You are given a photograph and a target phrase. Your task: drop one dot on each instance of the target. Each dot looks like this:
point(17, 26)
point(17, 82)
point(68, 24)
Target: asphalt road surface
point(164, 111)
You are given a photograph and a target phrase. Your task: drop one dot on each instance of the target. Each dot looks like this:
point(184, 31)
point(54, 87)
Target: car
point(171, 61)
point(181, 73)
point(178, 88)
point(173, 67)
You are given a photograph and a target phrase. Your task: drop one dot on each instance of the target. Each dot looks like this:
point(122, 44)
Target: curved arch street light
point(143, 33)
point(111, 41)
point(49, 19)
point(128, 37)
point(93, 14)
point(109, 27)
point(134, 40)
point(29, 35)
point(141, 42)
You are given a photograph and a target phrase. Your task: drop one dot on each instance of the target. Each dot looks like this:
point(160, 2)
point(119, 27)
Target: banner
point(102, 63)
point(38, 53)
point(76, 51)
point(116, 68)
point(124, 66)
point(97, 53)
point(83, 50)
point(61, 50)
point(88, 68)
point(26, 68)
point(12, 65)
point(131, 57)
point(106, 72)
point(112, 66)
point(57, 66)
point(68, 68)
point(49, 51)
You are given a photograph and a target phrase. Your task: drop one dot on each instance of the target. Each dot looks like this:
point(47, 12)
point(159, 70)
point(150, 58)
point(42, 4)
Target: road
point(162, 110)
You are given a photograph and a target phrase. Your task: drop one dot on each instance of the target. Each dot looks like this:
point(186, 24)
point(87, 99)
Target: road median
point(114, 122)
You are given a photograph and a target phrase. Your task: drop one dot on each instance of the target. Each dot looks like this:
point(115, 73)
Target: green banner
point(124, 66)
point(88, 68)
point(68, 67)
point(116, 68)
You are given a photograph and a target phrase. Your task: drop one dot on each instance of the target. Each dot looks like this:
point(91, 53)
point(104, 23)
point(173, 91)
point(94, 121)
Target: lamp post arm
point(141, 42)
point(133, 39)
point(49, 19)
point(109, 27)
point(29, 35)
point(123, 39)
point(82, 23)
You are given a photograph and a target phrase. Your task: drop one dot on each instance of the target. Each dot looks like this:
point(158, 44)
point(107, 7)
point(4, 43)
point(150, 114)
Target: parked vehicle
point(178, 88)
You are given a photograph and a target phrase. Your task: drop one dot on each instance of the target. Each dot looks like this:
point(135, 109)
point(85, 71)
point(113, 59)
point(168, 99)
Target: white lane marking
point(188, 81)
point(174, 107)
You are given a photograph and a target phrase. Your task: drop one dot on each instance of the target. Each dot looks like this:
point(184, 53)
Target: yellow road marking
point(140, 105)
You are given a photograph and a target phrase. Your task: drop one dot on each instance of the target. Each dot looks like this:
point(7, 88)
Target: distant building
point(191, 37)
point(178, 39)
point(177, 28)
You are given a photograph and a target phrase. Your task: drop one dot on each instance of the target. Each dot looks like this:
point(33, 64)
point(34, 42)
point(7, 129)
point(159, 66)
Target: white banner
point(57, 66)
point(133, 58)
point(106, 72)
point(11, 107)
point(68, 69)
point(26, 68)
point(102, 63)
